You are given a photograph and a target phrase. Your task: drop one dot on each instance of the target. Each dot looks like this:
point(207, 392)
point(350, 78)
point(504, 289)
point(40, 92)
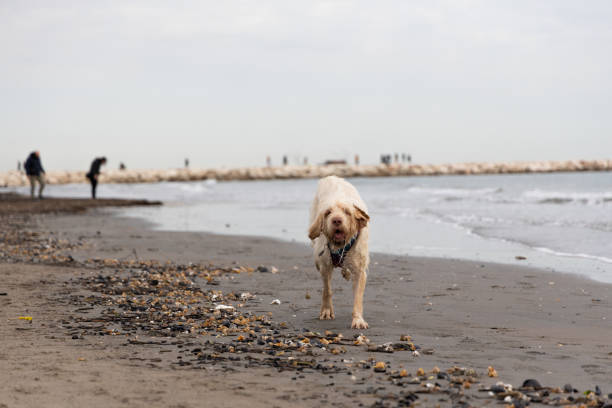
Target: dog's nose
point(336, 220)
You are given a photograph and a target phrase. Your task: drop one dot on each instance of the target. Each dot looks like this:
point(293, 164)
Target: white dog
point(339, 234)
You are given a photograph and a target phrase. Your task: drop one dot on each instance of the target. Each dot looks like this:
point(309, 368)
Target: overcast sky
point(226, 83)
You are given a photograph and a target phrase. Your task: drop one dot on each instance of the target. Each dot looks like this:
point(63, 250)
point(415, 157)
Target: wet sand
point(526, 323)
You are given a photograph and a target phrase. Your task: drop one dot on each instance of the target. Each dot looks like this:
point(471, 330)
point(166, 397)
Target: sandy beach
point(90, 283)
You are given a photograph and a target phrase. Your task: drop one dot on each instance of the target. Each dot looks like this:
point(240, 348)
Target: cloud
point(333, 72)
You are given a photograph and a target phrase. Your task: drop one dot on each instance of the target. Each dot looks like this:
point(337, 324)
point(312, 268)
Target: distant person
point(19, 166)
point(94, 172)
point(357, 160)
point(121, 166)
point(409, 158)
point(186, 163)
point(268, 161)
point(396, 158)
point(35, 172)
point(284, 160)
point(305, 161)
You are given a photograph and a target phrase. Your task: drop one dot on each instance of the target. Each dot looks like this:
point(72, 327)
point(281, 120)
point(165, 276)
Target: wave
point(558, 197)
point(454, 192)
point(574, 255)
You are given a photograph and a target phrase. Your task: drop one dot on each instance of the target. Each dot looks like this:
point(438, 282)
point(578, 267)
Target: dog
point(339, 234)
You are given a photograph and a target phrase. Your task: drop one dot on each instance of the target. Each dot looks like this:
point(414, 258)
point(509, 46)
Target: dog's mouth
point(339, 236)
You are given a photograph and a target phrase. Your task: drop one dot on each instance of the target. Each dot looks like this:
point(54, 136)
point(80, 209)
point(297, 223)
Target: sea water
point(559, 221)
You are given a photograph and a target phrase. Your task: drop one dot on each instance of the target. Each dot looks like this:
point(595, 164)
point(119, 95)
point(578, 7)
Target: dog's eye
point(347, 212)
point(327, 212)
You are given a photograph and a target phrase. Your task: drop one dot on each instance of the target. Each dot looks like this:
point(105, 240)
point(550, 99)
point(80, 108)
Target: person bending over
point(35, 172)
point(94, 172)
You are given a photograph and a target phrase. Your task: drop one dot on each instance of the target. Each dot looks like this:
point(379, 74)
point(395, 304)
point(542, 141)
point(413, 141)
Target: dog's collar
point(337, 256)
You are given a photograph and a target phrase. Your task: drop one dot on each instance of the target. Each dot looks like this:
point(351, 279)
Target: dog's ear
point(317, 227)
point(361, 216)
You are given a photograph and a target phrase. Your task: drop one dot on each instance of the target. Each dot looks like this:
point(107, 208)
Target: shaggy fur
point(337, 214)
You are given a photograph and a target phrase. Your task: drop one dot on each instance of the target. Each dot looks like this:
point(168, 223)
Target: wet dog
point(339, 234)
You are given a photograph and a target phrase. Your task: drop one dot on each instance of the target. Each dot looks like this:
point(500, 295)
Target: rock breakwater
point(15, 179)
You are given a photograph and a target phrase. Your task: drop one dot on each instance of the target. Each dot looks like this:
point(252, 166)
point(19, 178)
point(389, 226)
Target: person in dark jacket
point(94, 172)
point(35, 172)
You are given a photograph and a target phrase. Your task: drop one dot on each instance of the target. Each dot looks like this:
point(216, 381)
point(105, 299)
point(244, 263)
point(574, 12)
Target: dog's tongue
point(339, 236)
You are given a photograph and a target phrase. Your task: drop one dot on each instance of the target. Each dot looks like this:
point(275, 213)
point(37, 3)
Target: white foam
point(591, 198)
point(573, 255)
point(463, 192)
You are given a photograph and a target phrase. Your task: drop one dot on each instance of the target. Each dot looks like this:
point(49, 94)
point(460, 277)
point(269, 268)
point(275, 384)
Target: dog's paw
point(359, 323)
point(346, 274)
point(326, 314)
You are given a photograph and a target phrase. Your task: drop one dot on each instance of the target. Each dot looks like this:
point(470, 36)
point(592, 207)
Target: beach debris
point(262, 268)
point(275, 302)
point(307, 295)
point(246, 296)
point(520, 258)
point(274, 269)
point(532, 384)
point(189, 310)
point(361, 339)
point(380, 367)
point(491, 372)
point(569, 389)
point(27, 318)
point(405, 337)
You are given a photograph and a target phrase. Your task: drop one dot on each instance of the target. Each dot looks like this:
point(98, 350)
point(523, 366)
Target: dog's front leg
point(327, 309)
point(359, 282)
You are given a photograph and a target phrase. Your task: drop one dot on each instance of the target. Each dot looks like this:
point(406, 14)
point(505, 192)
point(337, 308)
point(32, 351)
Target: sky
point(227, 83)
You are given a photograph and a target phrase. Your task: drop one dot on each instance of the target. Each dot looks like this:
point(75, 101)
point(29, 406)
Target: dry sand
point(527, 323)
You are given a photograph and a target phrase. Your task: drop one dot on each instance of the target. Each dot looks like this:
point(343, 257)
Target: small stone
point(420, 372)
point(380, 367)
point(405, 337)
point(496, 389)
point(531, 383)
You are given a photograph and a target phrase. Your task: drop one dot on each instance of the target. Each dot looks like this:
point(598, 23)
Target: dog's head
point(339, 223)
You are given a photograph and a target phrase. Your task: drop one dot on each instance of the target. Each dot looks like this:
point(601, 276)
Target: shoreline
point(17, 179)
point(526, 323)
point(523, 256)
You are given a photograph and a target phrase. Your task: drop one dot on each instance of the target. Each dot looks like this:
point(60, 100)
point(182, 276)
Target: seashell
point(491, 372)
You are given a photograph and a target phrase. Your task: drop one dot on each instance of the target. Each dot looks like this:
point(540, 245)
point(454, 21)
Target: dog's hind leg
point(359, 282)
point(327, 308)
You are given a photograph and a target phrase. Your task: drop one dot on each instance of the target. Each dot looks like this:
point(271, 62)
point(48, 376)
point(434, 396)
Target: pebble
point(531, 383)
